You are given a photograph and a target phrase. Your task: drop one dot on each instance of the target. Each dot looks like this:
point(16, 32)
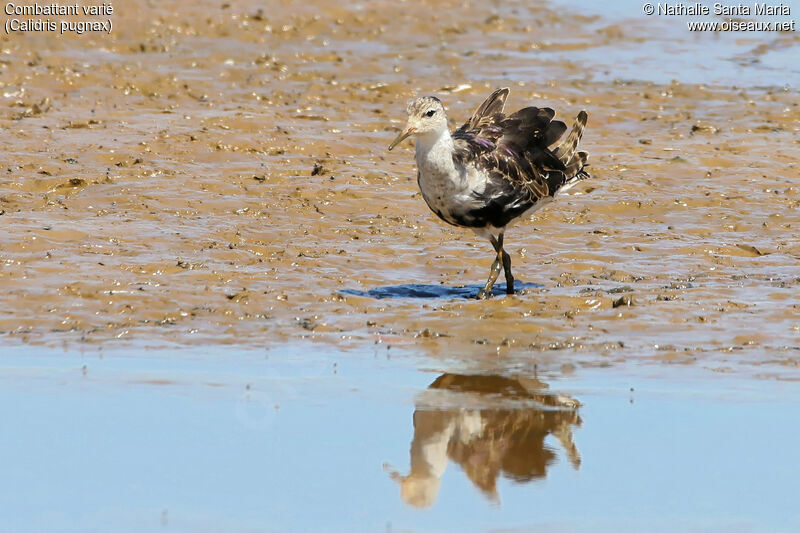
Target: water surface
point(301, 440)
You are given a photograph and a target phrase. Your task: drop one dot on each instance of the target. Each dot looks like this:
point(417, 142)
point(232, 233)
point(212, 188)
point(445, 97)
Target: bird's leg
point(486, 291)
point(501, 253)
point(507, 269)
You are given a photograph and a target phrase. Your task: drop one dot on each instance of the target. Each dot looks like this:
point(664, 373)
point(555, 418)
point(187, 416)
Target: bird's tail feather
point(567, 149)
point(575, 168)
point(576, 171)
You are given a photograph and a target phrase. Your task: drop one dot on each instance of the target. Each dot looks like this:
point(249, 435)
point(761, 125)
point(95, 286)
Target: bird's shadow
point(432, 292)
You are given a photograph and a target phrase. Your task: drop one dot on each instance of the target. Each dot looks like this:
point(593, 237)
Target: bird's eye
point(430, 113)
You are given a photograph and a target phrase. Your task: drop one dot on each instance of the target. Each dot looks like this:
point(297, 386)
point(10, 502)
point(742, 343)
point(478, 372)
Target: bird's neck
point(434, 152)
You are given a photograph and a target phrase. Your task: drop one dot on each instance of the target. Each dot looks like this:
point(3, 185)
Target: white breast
point(446, 187)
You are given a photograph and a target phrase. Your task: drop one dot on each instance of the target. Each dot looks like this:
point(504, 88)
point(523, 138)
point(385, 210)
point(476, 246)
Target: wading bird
point(493, 170)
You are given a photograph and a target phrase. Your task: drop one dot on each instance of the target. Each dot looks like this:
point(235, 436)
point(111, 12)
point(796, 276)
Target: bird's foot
point(484, 294)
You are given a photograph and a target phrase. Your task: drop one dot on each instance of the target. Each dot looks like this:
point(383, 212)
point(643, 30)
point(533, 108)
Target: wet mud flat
point(217, 173)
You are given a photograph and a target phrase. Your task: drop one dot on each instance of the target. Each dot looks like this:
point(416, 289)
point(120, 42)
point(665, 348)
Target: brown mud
point(217, 173)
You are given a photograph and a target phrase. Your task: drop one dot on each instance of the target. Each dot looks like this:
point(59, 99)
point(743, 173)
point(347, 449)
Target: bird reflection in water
point(488, 425)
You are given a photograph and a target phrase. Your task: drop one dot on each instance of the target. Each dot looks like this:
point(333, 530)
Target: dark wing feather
point(480, 133)
point(516, 155)
point(554, 132)
point(537, 124)
point(493, 105)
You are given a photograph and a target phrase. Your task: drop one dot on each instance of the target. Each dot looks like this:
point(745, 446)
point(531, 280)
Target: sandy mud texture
point(216, 172)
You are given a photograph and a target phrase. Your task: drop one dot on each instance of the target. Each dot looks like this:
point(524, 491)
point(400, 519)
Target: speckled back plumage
point(519, 157)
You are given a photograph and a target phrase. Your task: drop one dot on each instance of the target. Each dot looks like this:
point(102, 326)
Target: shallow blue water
point(666, 50)
point(296, 440)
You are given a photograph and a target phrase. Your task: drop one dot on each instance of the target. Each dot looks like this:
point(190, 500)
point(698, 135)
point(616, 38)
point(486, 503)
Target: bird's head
point(425, 117)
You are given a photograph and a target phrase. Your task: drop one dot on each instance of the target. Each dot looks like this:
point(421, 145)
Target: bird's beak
point(405, 133)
